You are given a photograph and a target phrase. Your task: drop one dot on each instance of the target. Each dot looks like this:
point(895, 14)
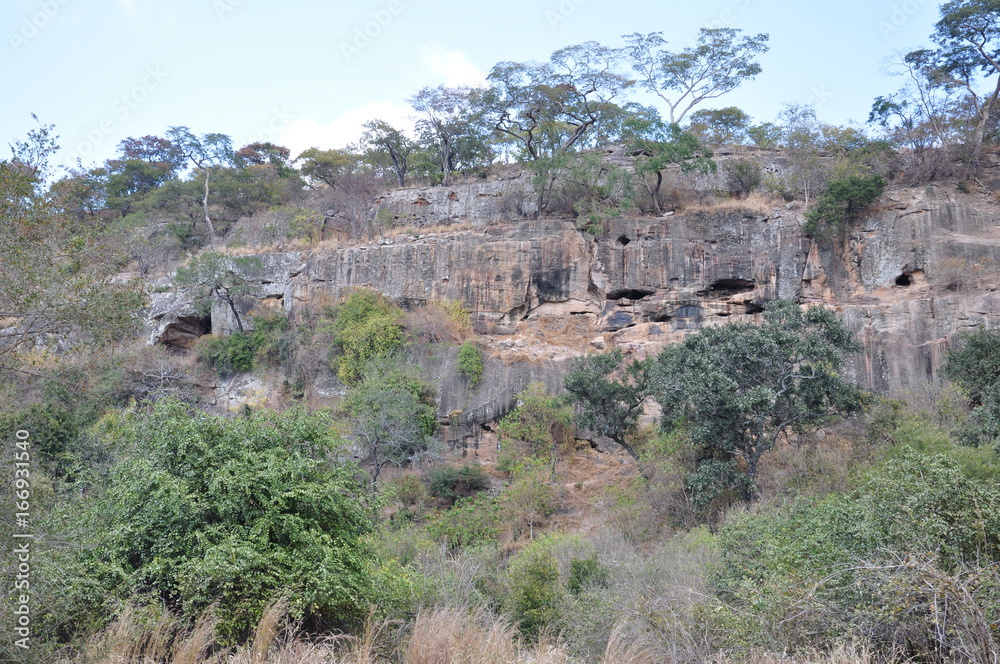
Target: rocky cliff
point(922, 267)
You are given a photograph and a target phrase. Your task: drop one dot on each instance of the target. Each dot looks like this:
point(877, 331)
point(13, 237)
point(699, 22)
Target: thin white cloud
point(451, 67)
point(346, 128)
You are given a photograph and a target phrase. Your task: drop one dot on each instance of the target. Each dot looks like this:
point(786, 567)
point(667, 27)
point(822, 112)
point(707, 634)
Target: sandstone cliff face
point(921, 268)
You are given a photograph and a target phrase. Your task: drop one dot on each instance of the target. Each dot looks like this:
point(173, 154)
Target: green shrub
point(538, 426)
point(470, 363)
point(818, 566)
point(269, 342)
point(366, 326)
point(204, 510)
point(451, 483)
point(844, 200)
point(585, 574)
point(472, 521)
point(534, 596)
point(743, 176)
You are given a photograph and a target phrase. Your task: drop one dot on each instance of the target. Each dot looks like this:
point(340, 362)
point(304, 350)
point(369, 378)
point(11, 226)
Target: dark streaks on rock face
point(905, 280)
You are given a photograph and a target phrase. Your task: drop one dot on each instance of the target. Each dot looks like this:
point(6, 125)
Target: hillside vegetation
point(733, 497)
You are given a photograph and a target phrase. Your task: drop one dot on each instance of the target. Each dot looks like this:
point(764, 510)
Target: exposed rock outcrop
point(918, 270)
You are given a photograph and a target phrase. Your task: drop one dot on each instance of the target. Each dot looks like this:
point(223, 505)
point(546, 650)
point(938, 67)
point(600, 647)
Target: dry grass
point(851, 653)
point(755, 203)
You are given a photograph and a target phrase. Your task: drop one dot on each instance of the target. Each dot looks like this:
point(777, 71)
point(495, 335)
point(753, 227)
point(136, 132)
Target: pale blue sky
point(292, 71)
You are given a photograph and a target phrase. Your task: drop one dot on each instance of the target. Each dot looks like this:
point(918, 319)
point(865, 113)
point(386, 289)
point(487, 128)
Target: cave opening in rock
point(730, 286)
point(754, 308)
point(904, 279)
point(623, 240)
point(185, 331)
point(629, 294)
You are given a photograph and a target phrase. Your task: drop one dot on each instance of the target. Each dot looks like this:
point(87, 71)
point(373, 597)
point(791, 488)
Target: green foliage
point(818, 566)
point(609, 395)
point(534, 595)
point(227, 278)
point(743, 176)
point(844, 200)
point(737, 388)
point(586, 574)
point(450, 483)
point(724, 126)
point(470, 363)
point(973, 364)
point(719, 62)
point(203, 510)
point(471, 522)
point(366, 326)
point(531, 497)
point(538, 426)
point(394, 414)
point(267, 342)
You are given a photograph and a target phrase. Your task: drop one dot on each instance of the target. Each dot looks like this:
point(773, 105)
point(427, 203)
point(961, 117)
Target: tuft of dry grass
point(755, 203)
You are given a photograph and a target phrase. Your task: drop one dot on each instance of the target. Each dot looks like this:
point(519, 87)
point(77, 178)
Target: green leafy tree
point(208, 151)
point(720, 61)
point(385, 145)
point(540, 424)
point(328, 166)
point(968, 39)
point(610, 396)
point(974, 365)
point(394, 414)
point(843, 201)
point(739, 388)
point(449, 125)
point(366, 326)
point(723, 126)
point(226, 278)
point(548, 108)
point(657, 146)
point(203, 510)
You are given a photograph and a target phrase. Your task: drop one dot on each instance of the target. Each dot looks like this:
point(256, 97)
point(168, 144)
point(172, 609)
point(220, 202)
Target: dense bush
point(202, 510)
point(470, 363)
point(844, 564)
point(844, 200)
point(366, 326)
point(974, 365)
point(268, 342)
point(451, 483)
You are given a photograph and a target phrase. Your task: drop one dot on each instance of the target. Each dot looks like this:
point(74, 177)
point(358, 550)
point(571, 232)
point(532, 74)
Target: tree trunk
point(232, 307)
point(208, 220)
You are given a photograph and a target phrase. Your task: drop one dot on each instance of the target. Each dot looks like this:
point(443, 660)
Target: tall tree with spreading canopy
point(205, 152)
point(968, 55)
point(548, 108)
point(721, 61)
point(739, 388)
point(448, 123)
